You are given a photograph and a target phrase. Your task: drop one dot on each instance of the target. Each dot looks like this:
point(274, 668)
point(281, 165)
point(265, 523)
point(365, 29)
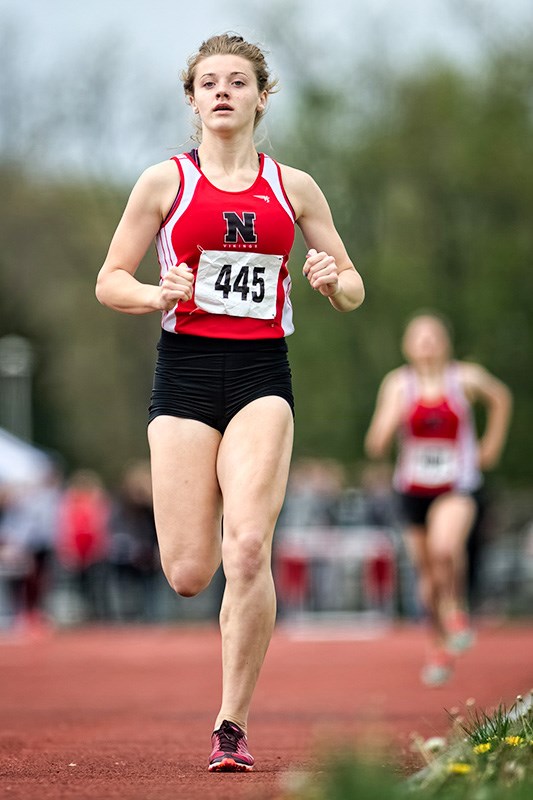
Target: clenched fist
point(321, 272)
point(176, 286)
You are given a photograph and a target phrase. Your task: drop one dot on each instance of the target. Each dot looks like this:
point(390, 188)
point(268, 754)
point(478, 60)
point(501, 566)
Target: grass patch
point(486, 756)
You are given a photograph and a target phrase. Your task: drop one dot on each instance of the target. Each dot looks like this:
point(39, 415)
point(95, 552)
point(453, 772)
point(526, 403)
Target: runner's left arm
point(386, 418)
point(327, 267)
point(481, 385)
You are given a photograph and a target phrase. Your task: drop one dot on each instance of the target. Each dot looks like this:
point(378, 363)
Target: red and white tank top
point(437, 449)
point(238, 245)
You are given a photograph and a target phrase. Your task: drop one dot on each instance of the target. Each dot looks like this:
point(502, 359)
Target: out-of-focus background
point(416, 119)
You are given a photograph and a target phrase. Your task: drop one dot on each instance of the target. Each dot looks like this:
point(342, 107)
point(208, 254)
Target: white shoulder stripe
point(271, 175)
point(191, 176)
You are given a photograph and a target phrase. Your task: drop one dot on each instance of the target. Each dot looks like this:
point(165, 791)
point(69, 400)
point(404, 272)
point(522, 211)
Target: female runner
point(221, 414)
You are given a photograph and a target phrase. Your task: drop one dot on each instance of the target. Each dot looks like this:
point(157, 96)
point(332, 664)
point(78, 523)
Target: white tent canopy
point(21, 462)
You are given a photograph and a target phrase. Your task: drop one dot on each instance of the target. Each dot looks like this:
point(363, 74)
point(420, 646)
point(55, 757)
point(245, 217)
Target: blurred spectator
point(134, 554)
point(311, 499)
point(83, 541)
point(14, 561)
point(379, 576)
point(28, 532)
point(313, 493)
point(381, 505)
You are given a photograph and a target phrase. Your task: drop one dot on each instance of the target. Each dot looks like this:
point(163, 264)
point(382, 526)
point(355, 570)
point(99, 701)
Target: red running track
point(127, 712)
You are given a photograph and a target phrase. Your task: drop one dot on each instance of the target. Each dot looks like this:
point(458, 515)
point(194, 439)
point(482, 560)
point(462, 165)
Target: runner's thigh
point(187, 500)
point(253, 464)
point(449, 522)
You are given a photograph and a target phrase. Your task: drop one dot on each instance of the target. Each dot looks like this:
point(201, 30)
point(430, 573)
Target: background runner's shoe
point(230, 750)
point(460, 634)
point(438, 669)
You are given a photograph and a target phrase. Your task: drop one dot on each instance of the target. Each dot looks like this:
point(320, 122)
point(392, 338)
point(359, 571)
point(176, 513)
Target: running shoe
point(230, 750)
point(460, 635)
point(438, 668)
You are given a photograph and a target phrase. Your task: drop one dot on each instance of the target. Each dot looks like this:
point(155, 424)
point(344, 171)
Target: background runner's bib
point(431, 463)
point(437, 439)
point(236, 283)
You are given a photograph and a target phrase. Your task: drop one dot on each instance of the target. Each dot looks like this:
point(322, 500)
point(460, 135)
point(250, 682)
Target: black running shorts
point(414, 508)
point(211, 380)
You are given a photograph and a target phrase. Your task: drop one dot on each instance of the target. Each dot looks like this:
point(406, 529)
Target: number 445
point(226, 284)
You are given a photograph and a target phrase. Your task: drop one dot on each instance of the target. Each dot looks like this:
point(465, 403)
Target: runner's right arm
point(386, 418)
point(147, 206)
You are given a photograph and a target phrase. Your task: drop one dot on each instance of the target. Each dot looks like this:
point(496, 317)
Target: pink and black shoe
point(230, 750)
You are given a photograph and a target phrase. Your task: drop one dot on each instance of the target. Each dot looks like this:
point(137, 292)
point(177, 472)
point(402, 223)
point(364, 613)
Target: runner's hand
point(322, 273)
point(177, 286)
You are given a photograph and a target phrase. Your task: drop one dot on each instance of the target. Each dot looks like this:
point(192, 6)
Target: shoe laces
point(229, 736)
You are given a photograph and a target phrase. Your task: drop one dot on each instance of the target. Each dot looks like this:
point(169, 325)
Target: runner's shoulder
point(394, 382)
point(157, 187)
point(162, 176)
point(470, 372)
point(296, 180)
point(473, 378)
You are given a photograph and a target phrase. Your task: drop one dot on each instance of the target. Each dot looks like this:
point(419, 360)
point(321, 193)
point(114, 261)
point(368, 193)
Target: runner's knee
point(246, 554)
point(443, 557)
point(188, 578)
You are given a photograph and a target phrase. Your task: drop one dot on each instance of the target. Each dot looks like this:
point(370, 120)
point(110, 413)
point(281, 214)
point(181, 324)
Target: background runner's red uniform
point(437, 447)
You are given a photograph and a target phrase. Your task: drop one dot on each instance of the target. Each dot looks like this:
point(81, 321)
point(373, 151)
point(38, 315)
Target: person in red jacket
point(221, 414)
point(83, 537)
point(426, 404)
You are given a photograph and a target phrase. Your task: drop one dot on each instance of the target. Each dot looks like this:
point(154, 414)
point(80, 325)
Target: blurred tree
point(93, 368)
point(101, 117)
point(67, 137)
point(431, 184)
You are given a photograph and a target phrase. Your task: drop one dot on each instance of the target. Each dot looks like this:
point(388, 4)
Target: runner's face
point(426, 340)
point(226, 95)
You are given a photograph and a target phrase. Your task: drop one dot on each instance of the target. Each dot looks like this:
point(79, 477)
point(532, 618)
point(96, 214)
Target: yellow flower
point(514, 741)
point(484, 747)
point(458, 768)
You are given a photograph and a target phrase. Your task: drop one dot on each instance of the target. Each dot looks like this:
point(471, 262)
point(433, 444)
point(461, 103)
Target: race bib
point(238, 284)
point(431, 463)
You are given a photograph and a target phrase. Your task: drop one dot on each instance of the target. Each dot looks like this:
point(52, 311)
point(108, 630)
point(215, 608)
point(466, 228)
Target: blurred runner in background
point(426, 404)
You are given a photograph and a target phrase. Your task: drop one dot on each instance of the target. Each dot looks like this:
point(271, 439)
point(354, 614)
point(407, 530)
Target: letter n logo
point(240, 226)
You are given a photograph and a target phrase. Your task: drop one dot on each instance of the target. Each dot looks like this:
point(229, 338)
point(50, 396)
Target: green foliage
point(93, 368)
point(432, 191)
point(494, 760)
point(481, 727)
point(346, 777)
